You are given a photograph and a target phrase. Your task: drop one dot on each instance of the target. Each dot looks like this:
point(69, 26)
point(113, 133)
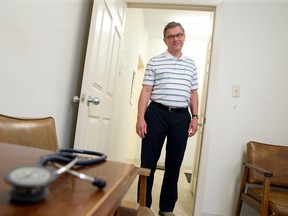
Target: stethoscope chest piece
point(30, 183)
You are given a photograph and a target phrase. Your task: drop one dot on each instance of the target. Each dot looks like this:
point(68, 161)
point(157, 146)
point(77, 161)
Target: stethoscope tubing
point(70, 157)
point(100, 156)
point(66, 155)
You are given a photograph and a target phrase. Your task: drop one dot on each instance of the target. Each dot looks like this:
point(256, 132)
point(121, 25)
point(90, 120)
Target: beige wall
point(249, 50)
point(124, 132)
point(42, 51)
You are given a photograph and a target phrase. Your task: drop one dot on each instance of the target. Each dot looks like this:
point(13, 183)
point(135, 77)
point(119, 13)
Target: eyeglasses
point(178, 36)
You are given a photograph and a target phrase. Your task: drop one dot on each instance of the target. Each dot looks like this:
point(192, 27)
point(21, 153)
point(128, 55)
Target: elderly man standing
point(170, 84)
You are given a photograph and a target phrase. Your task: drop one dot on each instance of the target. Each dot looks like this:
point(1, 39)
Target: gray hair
point(172, 25)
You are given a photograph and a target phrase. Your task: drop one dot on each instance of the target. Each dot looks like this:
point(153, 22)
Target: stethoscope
point(30, 183)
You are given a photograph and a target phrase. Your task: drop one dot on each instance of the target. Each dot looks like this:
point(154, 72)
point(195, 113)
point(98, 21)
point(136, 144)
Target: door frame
point(203, 99)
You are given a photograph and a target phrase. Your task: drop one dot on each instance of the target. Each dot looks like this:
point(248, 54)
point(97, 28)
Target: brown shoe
point(166, 213)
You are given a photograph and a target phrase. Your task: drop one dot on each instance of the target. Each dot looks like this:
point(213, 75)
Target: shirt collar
point(169, 56)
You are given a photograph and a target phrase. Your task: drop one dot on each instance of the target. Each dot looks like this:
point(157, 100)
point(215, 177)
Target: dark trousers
point(163, 124)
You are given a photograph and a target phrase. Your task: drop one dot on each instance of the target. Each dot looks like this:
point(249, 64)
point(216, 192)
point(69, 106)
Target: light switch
point(235, 91)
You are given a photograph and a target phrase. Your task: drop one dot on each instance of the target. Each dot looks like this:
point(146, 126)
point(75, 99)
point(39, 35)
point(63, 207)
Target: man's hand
point(193, 127)
point(141, 127)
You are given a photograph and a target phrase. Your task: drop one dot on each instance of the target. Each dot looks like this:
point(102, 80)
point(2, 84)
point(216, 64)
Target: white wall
point(124, 146)
point(250, 50)
point(133, 33)
point(42, 51)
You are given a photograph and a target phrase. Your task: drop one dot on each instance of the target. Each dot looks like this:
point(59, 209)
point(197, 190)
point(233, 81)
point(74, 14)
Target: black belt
point(170, 109)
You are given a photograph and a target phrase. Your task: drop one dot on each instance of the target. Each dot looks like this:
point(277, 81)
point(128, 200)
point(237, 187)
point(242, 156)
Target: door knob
point(94, 100)
point(76, 99)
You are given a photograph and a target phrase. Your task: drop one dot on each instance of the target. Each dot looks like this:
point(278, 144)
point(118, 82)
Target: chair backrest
point(273, 158)
point(33, 132)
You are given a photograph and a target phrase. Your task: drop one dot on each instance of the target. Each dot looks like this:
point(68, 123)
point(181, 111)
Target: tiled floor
point(185, 199)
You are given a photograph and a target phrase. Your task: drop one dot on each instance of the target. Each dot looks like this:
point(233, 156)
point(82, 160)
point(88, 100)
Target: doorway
point(198, 25)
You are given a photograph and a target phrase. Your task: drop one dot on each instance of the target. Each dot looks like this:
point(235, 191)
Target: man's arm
point(193, 127)
point(141, 126)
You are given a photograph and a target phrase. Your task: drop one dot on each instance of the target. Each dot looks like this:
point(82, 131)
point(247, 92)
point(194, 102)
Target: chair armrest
point(266, 185)
point(259, 170)
point(144, 171)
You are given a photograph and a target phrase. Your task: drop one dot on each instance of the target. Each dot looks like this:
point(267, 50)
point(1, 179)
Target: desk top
point(68, 195)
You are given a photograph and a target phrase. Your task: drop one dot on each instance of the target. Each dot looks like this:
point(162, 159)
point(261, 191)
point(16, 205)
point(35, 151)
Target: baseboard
point(133, 161)
point(206, 214)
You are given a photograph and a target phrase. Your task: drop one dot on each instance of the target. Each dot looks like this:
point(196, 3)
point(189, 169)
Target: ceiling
point(197, 24)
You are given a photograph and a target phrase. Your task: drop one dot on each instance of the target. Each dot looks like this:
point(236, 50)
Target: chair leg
point(132, 208)
point(144, 173)
point(242, 190)
point(265, 197)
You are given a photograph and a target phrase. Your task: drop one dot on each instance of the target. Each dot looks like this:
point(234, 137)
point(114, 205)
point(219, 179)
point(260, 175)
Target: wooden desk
point(68, 195)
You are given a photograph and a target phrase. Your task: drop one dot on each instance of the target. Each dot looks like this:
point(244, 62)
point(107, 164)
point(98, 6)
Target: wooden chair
point(33, 132)
point(264, 184)
point(130, 208)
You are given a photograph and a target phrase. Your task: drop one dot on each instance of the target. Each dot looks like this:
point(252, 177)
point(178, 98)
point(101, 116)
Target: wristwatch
point(195, 116)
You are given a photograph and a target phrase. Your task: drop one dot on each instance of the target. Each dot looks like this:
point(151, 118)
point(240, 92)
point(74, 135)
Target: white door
point(97, 91)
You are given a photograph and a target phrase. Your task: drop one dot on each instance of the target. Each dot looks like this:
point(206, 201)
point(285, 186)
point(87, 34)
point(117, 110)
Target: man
point(170, 83)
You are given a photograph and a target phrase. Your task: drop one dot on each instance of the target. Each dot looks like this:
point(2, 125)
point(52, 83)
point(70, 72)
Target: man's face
point(174, 39)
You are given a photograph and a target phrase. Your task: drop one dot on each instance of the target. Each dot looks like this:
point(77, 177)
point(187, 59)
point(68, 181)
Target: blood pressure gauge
point(30, 183)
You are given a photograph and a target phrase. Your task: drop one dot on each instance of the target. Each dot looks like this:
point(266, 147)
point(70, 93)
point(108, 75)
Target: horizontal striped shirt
point(172, 79)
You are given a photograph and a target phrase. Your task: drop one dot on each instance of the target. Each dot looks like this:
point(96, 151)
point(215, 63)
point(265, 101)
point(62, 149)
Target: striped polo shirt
point(172, 79)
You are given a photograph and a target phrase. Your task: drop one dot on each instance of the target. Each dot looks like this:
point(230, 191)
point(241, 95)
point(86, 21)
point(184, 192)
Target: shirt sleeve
point(149, 76)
